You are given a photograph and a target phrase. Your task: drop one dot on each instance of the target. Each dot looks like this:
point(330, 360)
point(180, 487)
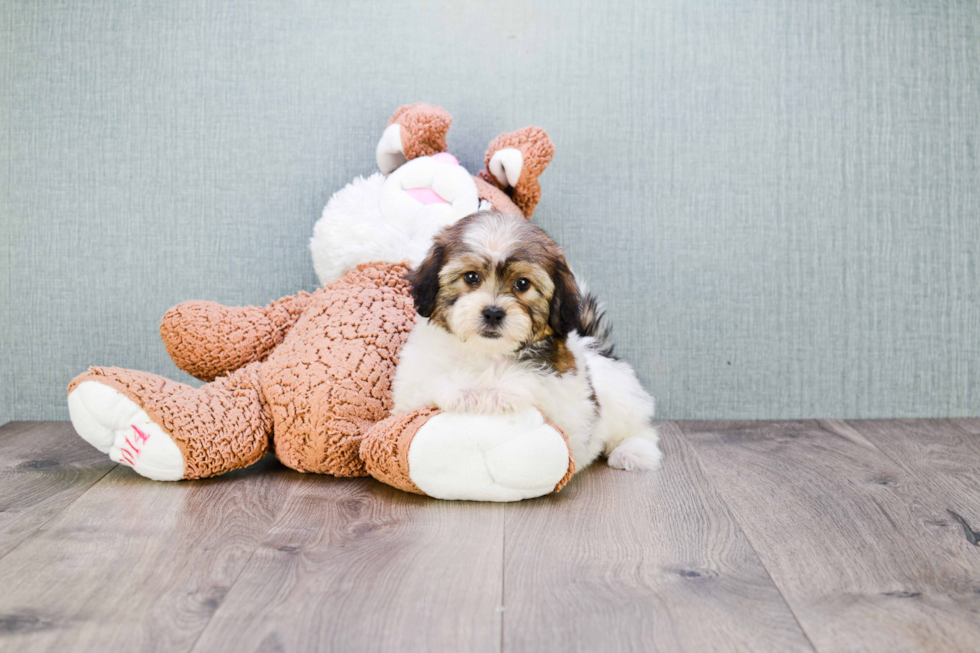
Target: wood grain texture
point(854, 542)
point(352, 565)
point(639, 562)
point(137, 565)
point(970, 425)
point(944, 458)
point(772, 536)
point(44, 467)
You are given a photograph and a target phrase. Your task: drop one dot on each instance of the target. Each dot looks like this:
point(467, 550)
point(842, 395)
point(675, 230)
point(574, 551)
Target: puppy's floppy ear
point(565, 302)
point(425, 280)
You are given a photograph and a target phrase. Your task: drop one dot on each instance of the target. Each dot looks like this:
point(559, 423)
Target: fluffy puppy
point(503, 327)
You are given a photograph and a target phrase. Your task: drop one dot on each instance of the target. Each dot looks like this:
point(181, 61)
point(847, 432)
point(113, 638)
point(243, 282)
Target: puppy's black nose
point(493, 315)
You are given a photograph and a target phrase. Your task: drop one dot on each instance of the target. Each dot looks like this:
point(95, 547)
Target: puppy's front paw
point(499, 400)
point(459, 401)
point(483, 401)
point(636, 454)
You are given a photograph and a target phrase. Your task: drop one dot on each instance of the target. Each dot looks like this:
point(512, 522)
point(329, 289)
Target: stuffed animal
point(309, 376)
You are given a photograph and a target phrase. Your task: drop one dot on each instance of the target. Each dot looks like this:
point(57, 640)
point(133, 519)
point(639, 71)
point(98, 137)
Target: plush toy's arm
point(505, 457)
point(385, 447)
point(207, 340)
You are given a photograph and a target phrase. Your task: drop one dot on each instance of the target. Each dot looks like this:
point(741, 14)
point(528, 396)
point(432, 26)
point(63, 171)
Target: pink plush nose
point(445, 157)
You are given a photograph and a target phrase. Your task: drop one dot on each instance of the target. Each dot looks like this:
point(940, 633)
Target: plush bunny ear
point(390, 153)
point(515, 160)
point(414, 130)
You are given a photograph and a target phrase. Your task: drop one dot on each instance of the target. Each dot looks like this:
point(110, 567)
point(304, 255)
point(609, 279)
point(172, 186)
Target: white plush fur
point(438, 368)
point(374, 219)
point(351, 232)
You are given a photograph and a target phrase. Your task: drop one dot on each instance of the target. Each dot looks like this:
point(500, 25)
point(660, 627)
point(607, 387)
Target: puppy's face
point(496, 282)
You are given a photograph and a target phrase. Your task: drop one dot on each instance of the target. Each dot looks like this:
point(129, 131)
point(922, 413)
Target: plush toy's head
point(394, 215)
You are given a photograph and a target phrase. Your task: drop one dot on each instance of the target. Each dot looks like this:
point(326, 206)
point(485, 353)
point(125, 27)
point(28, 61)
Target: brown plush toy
point(309, 376)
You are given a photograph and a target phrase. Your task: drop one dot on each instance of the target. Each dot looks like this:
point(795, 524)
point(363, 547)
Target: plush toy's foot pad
point(118, 426)
point(505, 457)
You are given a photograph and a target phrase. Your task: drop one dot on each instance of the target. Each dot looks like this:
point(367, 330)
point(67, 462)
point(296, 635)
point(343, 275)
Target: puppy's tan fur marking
point(501, 250)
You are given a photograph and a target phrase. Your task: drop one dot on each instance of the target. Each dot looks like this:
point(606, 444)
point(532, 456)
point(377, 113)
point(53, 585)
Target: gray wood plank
point(352, 565)
point(849, 536)
point(44, 467)
point(943, 456)
point(969, 424)
point(137, 565)
point(639, 562)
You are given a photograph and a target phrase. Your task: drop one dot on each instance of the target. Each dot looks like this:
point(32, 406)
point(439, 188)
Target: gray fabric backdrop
point(779, 200)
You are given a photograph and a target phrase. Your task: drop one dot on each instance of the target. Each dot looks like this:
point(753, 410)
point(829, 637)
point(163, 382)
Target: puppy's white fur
point(438, 368)
point(455, 364)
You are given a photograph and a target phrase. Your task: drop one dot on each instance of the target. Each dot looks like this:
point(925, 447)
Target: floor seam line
point(850, 423)
point(748, 538)
point(503, 579)
point(58, 513)
point(251, 555)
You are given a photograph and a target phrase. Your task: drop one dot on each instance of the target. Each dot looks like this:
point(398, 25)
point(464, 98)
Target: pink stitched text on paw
point(130, 452)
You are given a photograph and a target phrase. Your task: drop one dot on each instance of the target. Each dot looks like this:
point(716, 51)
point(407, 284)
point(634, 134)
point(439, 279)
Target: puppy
point(503, 327)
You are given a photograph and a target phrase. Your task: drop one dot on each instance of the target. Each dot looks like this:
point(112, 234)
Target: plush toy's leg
point(167, 430)
point(472, 457)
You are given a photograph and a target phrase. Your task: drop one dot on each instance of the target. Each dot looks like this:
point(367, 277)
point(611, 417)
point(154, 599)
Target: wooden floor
point(763, 536)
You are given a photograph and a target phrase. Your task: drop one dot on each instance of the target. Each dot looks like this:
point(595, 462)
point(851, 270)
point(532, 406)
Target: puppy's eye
point(522, 284)
point(471, 279)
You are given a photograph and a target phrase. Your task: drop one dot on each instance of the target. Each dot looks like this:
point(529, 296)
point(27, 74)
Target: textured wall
point(779, 200)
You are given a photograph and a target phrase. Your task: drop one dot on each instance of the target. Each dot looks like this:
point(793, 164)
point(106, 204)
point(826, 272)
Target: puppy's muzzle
point(493, 316)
